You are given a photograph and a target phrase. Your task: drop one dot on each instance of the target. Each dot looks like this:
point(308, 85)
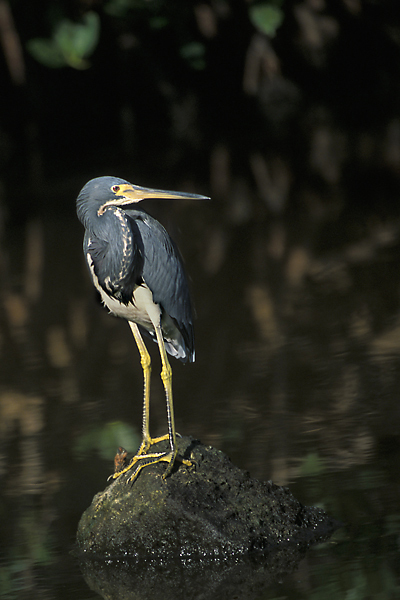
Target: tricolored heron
point(138, 271)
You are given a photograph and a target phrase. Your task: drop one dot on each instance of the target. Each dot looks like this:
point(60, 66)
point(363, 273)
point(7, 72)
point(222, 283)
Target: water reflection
point(297, 379)
point(241, 578)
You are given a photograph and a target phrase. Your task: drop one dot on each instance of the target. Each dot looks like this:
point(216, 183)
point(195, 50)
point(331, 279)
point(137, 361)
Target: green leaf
point(158, 22)
point(116, 434)
point(193, 52)
point(312, 464)
point(106, 439)
point(266, 17)
point(46, 52)
point(120, 8)
point(79, 39)
point(70, 44)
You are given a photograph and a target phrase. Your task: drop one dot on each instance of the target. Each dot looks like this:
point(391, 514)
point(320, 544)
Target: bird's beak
point(132, 194)
point(135, 193)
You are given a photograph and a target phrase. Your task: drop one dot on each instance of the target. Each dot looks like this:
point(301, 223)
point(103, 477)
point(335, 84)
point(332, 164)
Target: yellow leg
point(147, 441)
point(146, 366)
point(166, 376)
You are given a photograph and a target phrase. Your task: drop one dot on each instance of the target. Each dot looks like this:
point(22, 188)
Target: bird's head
point(103, 192)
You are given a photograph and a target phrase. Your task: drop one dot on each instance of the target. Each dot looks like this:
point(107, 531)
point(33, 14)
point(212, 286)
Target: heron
point(138, 271)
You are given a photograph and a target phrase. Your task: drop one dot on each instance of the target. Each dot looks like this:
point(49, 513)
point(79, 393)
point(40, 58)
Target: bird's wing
point(164, 274)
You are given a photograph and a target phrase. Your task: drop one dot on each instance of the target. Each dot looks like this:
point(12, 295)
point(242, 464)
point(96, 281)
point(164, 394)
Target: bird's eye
point(115, 188)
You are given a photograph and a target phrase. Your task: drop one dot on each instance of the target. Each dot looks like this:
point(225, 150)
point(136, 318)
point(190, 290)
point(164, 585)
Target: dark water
point(297, 378)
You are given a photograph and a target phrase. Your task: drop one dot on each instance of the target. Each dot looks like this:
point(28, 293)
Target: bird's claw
point(151, 459)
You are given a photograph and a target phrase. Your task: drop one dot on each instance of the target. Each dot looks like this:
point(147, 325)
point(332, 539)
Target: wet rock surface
point(212, 509)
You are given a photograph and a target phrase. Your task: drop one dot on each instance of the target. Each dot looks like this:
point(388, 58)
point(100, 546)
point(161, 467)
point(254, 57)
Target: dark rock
point(211, 509)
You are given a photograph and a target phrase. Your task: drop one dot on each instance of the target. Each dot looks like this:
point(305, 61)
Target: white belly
point(142, 310)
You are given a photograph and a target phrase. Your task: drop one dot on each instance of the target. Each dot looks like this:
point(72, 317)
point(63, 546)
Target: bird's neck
point(105, 225)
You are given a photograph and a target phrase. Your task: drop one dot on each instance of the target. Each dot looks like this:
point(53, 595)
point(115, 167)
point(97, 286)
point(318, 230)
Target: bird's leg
point(169, 457)
point(147, 441)
point(166, 376)
point(145, 360)
point(146, 366)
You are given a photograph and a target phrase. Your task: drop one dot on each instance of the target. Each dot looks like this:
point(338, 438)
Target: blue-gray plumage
point(138, 271)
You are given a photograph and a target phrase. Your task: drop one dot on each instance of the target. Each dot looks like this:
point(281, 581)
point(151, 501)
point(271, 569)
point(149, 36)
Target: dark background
point(294, 132)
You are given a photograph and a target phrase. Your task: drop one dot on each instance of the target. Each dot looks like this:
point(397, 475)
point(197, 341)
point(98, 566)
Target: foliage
point(193, 53)
point(312, 464)
point(70, 45)
point(121, 8)
point(105, 440)
point(267, 16)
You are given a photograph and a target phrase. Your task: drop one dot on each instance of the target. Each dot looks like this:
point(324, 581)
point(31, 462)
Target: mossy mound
point(210, 509)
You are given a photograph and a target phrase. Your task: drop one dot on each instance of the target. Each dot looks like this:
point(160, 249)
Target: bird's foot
point(146, 460)
point(147, 442)
point(168, 457)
